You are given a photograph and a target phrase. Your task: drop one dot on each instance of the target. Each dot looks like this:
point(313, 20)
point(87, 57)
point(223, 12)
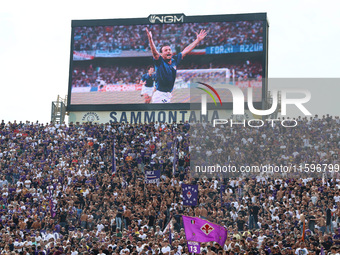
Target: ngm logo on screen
point(169, 18)
point(238, 105)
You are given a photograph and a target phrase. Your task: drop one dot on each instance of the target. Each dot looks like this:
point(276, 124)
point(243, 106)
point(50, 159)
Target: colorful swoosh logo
point(209, 93)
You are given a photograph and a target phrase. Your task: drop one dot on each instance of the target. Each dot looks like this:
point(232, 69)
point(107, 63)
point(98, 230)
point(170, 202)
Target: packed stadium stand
point(134, 37)
point(60, 195)
point(91, 76)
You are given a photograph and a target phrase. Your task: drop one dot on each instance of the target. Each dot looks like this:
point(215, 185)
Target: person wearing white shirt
point(28, 243)
point(233, 215)
point(102, 253)
point(100, 227)
point(74, 252)
point(275, 217)
point(337, 198)
point(158, 231)
point(18, 245)
point(139, 247)
point(302, 250)
point(19, 183)
point(48, 236)
point(177, 251)
point(38, 238)
point(5, 193)
point(124, 250)
point(261, 237)
point(165, 247)
point(142, 235)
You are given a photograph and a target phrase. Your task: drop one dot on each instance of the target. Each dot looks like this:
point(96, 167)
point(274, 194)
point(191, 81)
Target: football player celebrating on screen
point(166, 66)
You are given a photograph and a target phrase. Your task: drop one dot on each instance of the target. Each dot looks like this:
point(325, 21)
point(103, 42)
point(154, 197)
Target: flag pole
point(113, 158)
point(221, 190)
point(170, 238)
point(303, 231)
point(174, 162)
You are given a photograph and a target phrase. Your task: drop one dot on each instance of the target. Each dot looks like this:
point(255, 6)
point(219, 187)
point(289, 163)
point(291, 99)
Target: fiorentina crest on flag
point(190, 194)
point(200, 230)
point(206, 228)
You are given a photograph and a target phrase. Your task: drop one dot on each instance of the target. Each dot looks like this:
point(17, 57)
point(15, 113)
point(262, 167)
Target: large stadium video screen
point(152, 63)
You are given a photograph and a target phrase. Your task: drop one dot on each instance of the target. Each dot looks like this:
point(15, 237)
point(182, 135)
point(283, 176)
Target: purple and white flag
point(169, 226)
point(152, 176)
point(51, 204)
point(190, 194)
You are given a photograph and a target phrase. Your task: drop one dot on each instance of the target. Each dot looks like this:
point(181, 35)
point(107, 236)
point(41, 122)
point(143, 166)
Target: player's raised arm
point(190, 47)
point(154, 51)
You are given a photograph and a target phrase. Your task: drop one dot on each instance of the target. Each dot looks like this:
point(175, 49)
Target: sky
point(35, 39)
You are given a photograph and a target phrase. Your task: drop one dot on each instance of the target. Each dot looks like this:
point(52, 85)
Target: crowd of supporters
point(59, 194)
point(95, 76)
point(109, 38)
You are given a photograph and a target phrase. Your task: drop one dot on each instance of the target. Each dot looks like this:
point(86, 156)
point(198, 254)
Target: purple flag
point(190, 194)
point(322, 252)
point(152, 176)
point(169, 226)
point(113, 158)
point(174, 162)
point(199, 230)
point(170, 237)
point(52, 206)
